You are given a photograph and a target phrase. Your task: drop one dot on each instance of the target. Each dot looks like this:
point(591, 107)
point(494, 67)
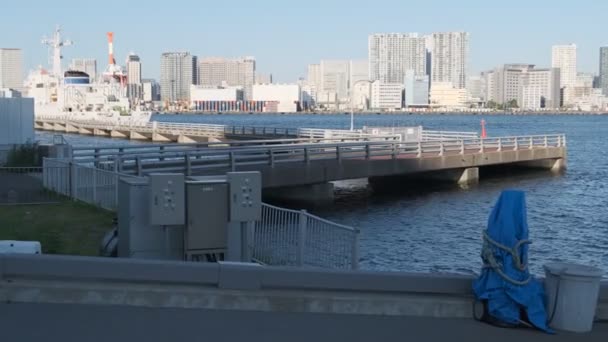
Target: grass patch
point(65, 228)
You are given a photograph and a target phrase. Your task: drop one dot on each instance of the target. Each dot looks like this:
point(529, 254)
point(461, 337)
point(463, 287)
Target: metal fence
point(80, 182)
point(287, 237)
point(25, 185)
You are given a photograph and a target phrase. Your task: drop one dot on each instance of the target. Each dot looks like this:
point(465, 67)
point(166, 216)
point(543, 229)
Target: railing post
point(559, 141)
point(138, 166)
point(271, 156)
point(96, 153)
point(394, 150)
point(461, 146)
point(419, 150)
point(515, 144)
point(94, 186)
point(306, 155)
point(531, 143)
point(303, 220)
point(188, 164)
point(499, 144)
point(441, 148)
point(162, 153)
point(73, 180)
point(232, 161)
point(354, 263)
point(338, 153)
point(564, 140)
point(546, 142)
point(481, 145)
point(368, 153)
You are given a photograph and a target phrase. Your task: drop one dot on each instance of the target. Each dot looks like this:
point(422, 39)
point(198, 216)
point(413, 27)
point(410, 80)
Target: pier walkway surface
point(91, 323)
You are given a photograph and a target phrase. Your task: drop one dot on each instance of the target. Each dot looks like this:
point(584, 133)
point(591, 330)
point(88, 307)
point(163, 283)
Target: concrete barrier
point(230, 286)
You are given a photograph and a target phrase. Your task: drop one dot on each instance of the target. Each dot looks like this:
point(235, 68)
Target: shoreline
point(392, 113)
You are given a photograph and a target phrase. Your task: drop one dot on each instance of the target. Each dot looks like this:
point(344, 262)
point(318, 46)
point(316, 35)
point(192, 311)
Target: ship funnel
point(111, 59)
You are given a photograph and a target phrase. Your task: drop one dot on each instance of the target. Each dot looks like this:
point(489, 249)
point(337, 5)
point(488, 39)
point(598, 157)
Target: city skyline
point(271, 32)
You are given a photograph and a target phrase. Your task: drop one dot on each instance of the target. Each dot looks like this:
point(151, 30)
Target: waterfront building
point(176, 75)
point(11, 69)
point(386, 96)
point(279, 98)
point(445, 95)
point(134, 84)
point(476, 87)
point(564, 58)
point(237, 72)
point(263, 78)
point(416, 90)
point(361, 95)
point(540, 89)
point(150, 90)
point(449, 56)
point(358, 72)
point(214, 98)
point(335, 77)
point(391, 55)
point(87, 65)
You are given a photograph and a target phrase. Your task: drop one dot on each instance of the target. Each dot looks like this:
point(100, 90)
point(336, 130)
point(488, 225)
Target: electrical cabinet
point(167, 199)
point(245, 196)
point(206, 227)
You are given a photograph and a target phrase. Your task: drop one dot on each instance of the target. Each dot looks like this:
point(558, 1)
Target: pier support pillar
point(183, 139)
point(100, 132)
point(85, 131)
point(71, 128)
point(554, 165)
point(160, 138)
point(133, 135)
point(118, 134)
point(315, 194)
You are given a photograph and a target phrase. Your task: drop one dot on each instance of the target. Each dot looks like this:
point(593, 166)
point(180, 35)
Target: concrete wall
point(16, 120)
point(228, 286)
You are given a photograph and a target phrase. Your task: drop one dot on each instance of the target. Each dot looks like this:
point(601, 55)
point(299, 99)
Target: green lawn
point(64, 228)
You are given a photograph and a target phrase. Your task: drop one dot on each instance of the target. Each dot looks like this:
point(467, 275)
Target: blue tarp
point(507, 301)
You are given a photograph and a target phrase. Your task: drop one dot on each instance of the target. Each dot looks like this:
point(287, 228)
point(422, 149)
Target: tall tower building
point(238, 72)
point(176, 76)
point(450, 54)
point(391, 55)
point(88, 65)
point(134, 84)
point(603, 82)
point(563, 57)
point(11, 69)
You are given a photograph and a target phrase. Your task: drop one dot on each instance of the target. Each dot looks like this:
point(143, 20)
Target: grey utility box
point(245, 196)
point(206, 227)
point(167, 199)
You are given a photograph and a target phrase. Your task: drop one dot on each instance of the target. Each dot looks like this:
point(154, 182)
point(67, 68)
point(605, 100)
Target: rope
point(487, 255)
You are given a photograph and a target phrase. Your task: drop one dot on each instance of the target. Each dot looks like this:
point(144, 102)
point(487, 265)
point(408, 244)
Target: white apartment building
point(281, 98)
point(564, 58)
point(540, 89)
point(177, 74)
point(87, 65)
point(449, 58)
point(391, 55)
point(217, 71)
point(445, 95)
point(150, 90)
point(386, 96)
point(334, 78)
point(11, 69)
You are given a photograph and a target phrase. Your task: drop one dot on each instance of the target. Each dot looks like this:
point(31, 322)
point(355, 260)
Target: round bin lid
point(575, 270)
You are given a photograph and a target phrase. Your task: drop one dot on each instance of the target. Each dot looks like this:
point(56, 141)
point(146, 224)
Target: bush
point(24, 156)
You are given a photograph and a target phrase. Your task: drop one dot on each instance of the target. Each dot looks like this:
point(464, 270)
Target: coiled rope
point(489, 260)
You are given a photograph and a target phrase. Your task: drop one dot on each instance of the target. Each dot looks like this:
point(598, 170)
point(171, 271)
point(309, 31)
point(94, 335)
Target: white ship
point(73, 95)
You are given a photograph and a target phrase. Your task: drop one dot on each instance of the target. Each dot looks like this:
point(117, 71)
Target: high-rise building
point(263, 78)
point(11, 69)
point(449, 56)
point(540, 89)
point(358, 72)
point(476, 86)
point(603, 78)
point(215, 72)
point(134, 84)
point(445, 95)
point(564, 58)
point(334, 78)
point(416, 89)
point(391, 55)
point(87, 65)
point(176, 75)
point(150, 90)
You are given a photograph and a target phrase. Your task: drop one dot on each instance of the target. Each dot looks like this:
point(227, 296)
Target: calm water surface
point(438, 229)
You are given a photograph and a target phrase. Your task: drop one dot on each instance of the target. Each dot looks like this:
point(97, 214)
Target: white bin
point(572, 292)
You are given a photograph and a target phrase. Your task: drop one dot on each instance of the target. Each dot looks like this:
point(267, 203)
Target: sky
point(285, 36)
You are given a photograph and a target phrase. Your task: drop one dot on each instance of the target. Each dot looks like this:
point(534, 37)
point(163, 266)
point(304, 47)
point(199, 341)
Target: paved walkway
point(59, 322)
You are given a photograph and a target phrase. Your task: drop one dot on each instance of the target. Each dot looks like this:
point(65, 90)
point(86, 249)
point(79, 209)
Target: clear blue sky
point(286, 36)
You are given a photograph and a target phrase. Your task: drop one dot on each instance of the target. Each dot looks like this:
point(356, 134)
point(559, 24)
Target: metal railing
point(80, 182)
point(337, 134)
point(287, 237)
point(230, 159)
point(24, 185)
point(447, 135)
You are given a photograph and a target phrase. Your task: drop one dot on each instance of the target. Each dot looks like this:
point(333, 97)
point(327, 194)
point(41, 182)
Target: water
point(439, 229)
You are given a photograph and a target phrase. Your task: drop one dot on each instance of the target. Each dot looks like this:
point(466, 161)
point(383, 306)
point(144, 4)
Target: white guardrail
point(222, 159)
point(287, 237)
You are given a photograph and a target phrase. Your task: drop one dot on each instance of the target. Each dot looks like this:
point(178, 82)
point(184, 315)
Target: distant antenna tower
point(55, 44)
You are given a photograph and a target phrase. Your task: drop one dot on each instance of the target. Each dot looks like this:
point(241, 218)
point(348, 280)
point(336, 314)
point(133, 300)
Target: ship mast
point(55, 44)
